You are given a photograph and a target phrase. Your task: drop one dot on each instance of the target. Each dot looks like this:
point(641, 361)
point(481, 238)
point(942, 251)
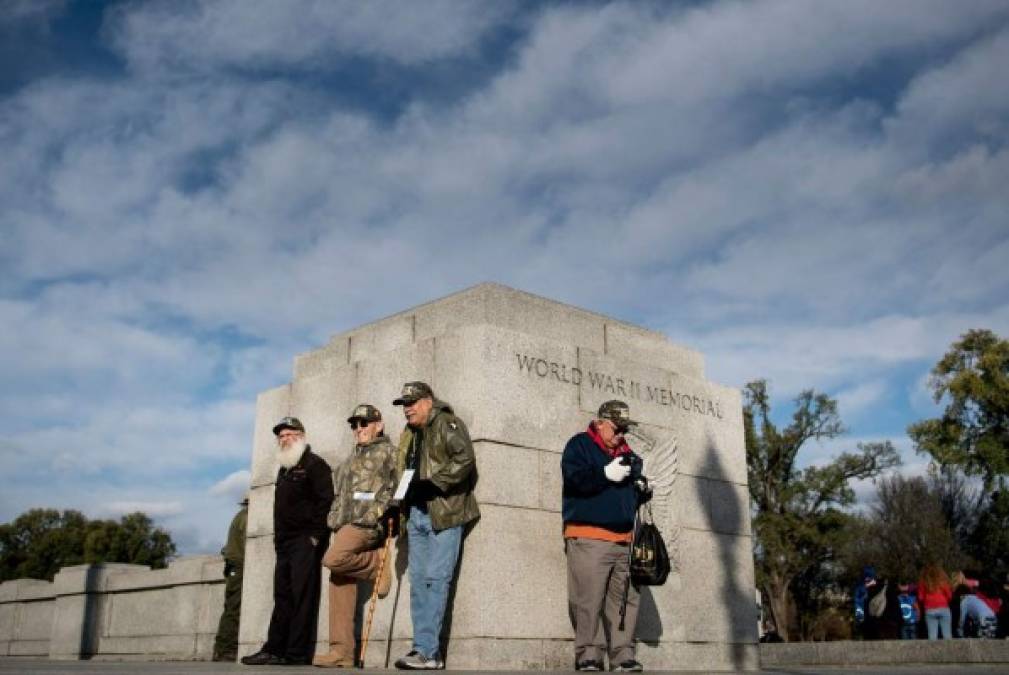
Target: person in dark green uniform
point(226, 642)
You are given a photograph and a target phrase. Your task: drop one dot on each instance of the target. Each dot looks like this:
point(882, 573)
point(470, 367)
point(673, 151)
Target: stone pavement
point(23, 666)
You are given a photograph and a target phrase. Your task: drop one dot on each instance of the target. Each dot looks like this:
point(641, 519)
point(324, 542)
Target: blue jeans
point(936, 619)
point(432, 559)
point(908, 631)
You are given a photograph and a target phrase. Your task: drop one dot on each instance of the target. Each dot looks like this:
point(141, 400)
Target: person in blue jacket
point(602, 481)
point(860, 595)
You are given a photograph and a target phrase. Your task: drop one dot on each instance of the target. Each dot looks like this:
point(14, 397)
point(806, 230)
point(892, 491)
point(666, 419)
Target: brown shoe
point(333, 660)
point(384, 582)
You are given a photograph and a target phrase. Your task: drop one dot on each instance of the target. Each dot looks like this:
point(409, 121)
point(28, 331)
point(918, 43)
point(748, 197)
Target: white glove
point(616, 471)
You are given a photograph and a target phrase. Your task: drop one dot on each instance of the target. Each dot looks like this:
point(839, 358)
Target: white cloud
point(853, 401)
point(235, 485)
point(306, 34)
point(153, 509)
point(943, 104)
point(20, 12)
point(797, 356)
point(176, 236)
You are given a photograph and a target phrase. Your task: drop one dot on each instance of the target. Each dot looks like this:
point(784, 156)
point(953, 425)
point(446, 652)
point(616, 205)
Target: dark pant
point(296, 584)
point(226, 642)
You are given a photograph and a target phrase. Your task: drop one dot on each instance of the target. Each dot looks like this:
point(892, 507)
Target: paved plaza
point(46, 667)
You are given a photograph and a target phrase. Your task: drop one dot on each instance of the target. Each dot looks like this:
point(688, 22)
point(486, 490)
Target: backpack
point(877, 605)
point(649, 559)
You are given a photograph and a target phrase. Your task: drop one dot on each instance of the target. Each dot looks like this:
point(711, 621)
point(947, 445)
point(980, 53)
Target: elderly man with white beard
point(302, 498)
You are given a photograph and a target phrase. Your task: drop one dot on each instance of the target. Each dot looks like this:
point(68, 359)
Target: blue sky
point(194, 192)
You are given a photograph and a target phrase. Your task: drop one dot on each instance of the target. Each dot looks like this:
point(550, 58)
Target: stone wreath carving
point(661, 468)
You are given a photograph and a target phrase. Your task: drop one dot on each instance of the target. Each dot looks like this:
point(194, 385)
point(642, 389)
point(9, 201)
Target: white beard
point(290, 455)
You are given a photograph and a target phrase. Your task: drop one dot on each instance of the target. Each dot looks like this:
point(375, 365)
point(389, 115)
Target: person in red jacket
point(934, 595)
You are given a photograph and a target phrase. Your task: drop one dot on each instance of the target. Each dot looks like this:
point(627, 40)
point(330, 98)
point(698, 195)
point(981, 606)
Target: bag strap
point(644, 515)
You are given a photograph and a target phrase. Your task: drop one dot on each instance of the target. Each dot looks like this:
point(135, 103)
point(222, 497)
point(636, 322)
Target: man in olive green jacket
point(226, 642)
point(436, 456)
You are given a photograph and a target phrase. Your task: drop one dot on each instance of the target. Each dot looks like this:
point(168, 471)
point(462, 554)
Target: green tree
point(962, 501)
point(39, 542)
point(973, 431)
point(907, 529)
point(989, 543)
point(796, 517)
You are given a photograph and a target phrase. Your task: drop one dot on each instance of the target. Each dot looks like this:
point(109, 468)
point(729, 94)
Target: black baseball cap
point(288, 423)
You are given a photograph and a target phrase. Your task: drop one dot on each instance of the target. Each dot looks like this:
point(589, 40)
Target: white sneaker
point(417, 661)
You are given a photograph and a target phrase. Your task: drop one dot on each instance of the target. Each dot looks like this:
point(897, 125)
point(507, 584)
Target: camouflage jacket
point(446, 464)
point(363, 485)
point(234, 548)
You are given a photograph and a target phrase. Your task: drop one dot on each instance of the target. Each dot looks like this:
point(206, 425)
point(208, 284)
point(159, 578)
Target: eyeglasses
point(359, 424)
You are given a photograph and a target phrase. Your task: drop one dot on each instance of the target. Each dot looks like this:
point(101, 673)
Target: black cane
point(627, 579)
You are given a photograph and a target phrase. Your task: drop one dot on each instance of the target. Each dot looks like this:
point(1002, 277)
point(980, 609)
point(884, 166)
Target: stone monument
point(525, 373)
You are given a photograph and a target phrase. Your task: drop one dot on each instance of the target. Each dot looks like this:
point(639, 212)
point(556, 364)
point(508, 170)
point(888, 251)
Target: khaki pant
point(597, 572)
point(353, 556)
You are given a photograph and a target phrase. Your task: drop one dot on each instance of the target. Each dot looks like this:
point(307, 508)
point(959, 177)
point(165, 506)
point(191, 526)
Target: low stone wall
point(26, 617)
point(883, 652)
point(115, 611)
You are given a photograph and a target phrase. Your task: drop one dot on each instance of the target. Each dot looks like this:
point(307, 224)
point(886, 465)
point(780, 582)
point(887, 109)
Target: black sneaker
point(589, 666)
point(628, 666)
point(264, 658)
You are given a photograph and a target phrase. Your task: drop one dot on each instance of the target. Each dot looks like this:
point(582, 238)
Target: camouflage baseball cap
point(413, 391)
point(368, 413)
point(617, 412)
point(288, 423)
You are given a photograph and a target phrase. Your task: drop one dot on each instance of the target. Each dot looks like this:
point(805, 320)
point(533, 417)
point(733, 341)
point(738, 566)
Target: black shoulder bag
point(648, 559)
point(650, 564)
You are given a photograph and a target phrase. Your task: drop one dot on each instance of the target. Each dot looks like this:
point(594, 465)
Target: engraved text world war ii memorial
point(525, 373)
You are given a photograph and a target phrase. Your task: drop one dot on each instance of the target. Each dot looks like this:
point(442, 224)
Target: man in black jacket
point(601, 475)
point(302, 498)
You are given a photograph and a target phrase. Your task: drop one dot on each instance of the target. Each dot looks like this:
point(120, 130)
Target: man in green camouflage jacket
point(363, 485)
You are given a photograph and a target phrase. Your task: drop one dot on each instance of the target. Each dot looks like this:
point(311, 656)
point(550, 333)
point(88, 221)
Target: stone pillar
point(526, 373)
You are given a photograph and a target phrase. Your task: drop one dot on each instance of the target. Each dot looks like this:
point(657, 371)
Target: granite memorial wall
point(525, 373)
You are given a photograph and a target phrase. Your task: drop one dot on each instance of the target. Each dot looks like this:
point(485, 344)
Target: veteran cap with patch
point(288, 423)
point(368, 413)
point(413, 391)
point(617, 412)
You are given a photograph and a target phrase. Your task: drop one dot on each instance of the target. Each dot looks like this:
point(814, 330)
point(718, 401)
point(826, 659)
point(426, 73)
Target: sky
point(192, 193)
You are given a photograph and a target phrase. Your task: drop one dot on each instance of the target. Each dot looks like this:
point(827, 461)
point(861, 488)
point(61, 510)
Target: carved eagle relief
point(661, 468)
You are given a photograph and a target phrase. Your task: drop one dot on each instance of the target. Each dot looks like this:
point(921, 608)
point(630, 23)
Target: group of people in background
point(936, 606)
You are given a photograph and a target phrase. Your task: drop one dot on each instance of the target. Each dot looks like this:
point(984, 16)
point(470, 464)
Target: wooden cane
point(374, 592)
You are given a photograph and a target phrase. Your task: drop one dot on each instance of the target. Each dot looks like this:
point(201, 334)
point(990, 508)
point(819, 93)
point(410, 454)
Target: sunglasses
point(618, 428)
point(359, 424)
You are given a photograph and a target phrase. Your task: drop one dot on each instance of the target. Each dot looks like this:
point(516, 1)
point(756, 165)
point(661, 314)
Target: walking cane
point(374, 591)
point(627, 581)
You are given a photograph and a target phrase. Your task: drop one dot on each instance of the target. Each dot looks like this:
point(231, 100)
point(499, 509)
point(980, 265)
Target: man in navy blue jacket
point(601, 478)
